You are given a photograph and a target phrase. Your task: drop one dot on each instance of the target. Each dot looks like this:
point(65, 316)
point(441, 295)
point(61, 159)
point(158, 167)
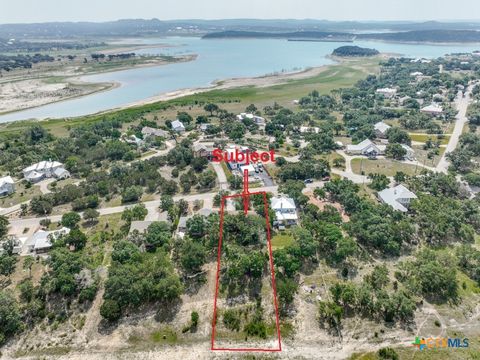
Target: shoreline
point(105, 86)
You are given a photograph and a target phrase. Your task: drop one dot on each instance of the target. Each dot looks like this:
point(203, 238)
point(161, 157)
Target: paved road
point(461, 103)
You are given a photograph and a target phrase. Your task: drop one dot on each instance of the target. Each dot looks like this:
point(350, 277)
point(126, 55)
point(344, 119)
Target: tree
point(166, 202)
point(379, 181)
point(10, 318)
point(395, 151)
point(211, 108)
point(90, 215)
point(7, 265)
point(76, 238)
point(388, 354)
point(196, 226)
point(192, 256)
point(132, 193)
point(110, 310)
point(182, 206)
point(28, 262)
point(251, 109)
point(207, 179)
point(395, 135)
point(70, 219)
point(158, 235)
point(3, 226)
point(194, 317)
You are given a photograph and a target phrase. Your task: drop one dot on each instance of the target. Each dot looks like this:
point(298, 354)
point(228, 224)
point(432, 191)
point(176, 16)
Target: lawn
point(383, 166)
point(424, 137)
point(20, 195)
point(281, 240)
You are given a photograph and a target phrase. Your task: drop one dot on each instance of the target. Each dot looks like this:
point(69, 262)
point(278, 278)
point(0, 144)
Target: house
point(140, 226)
point(285, 210)
point(387, 92)
point(7, 186)
point(233, 165)
point(432, 109)
point(42, 240)
point(410, 153)
point(152, 132)
point(132, 139)
point(306, 129)
point(256, 119)
point(61, 174)
point(367, 148)
point(203, 150)
point(42, 170)
point(178, 126)
point(416, 74)
point(381, 129)
point(398, 197)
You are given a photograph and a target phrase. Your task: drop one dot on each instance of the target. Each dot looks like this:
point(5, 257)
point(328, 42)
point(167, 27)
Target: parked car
point(308, 181)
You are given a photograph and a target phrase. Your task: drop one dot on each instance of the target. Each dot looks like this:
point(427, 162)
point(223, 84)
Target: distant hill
point(354, 51)
point(439, 36)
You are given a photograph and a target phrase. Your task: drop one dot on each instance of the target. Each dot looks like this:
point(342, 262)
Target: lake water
point(217, 59)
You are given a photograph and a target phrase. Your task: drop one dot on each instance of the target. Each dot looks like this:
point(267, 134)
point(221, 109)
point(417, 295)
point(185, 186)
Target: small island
point(354, 51)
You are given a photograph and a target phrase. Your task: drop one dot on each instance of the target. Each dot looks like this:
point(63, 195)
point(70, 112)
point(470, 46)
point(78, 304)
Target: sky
point(28, 11)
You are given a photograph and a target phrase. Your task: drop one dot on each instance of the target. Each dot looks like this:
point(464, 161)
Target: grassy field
point(424, 137)
point(382, 166)
point(282, 240)
point(20, 195)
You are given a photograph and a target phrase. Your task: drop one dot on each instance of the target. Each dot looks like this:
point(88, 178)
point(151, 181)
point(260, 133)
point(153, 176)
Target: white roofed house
point(285, 210)
point(432, 109)
point(387, 92)
point(381, 129)
point(44, 169)
point(398, 197)
point(7, 186)
point(178, 126)
point(367, 148)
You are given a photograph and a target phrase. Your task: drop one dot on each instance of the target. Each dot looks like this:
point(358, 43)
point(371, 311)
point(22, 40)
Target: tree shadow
point(166, 312)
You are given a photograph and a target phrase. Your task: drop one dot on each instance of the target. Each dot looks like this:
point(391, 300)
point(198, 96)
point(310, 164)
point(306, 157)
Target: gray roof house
point(44, 169)
point(42, 240)
point(178, 126)
point(152, 132)
point(367, 148)
point(7, 186)
point(381, 129)
point(398, 197)
point(285, 210)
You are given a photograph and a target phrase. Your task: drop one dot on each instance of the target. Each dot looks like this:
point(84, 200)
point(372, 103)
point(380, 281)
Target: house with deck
point(285, 210)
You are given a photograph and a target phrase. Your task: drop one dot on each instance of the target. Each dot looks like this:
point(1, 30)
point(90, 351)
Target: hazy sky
point(101, 10)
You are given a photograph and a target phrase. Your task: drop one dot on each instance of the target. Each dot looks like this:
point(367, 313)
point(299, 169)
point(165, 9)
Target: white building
point(432, 109)
point(306, 129)
point(367, 148)
point(7, 186)
point(387, 92)
point(398, 197)
point(285, 210)
point(42, 240)
point(416, 74)
point(152, 132)
point(178, 126)
point(45, 169)
point(381, 129)
point(256, 119)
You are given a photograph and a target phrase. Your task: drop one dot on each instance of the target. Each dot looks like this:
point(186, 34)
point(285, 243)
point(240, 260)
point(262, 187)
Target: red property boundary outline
point(245, 195)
